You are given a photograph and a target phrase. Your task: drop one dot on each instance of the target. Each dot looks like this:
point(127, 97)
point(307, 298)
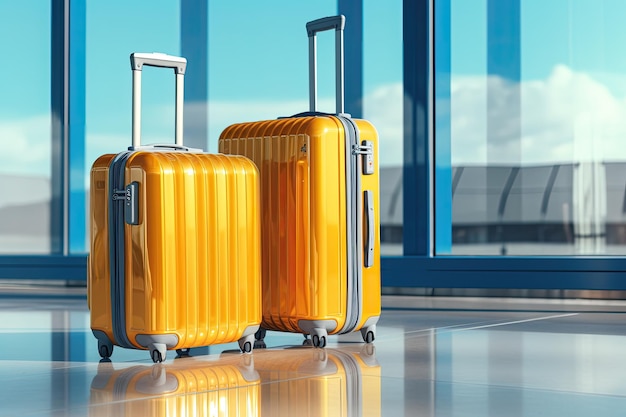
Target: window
point(530, 103)
point(25, 125)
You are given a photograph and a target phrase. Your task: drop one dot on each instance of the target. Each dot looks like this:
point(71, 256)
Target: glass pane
point(115, 29)
point(25, 161)
point(260, 70)
point(382, 105)
point(536, 126)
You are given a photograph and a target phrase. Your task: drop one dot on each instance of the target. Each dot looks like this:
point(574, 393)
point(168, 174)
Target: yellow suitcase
point(175, 242)
point(319, 382)
point(183, 388)
point(320, 213)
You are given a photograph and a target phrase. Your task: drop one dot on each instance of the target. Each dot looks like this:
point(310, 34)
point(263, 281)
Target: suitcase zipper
point(354, 219)
point(117, 249)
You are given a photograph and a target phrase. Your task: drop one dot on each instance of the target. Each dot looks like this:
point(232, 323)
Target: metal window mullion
point(194, 45)
point(353, 56)
point(418, 130)
point(59, 106)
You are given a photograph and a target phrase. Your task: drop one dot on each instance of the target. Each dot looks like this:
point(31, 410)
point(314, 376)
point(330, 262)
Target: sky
point(573, 87)
point(258, 69)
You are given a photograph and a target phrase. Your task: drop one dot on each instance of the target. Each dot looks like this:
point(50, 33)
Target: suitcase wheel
point(158, 352)
point(369, 334)
point(260, 334)
point(183, 353)
point(246, 343)
point(105, 349)
point(319, 341)
point(318, 337)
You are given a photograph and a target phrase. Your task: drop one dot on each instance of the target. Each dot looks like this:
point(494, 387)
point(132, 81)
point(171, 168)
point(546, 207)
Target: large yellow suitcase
point(320, 213)
point(183, 388)
point(175, 242)
point(319, 382)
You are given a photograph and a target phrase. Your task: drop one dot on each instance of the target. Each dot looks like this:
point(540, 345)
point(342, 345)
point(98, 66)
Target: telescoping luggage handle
point(179, 65)
point(327, 23)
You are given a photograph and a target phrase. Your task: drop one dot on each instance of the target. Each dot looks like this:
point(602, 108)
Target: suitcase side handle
point(179, 65)
point(327, 23)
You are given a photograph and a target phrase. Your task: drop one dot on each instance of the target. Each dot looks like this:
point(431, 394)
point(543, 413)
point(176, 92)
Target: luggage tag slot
point(130, 197)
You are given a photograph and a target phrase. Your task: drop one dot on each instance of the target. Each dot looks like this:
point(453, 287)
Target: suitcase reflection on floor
point(185, 387)
point(319, 382)
point(298, 381)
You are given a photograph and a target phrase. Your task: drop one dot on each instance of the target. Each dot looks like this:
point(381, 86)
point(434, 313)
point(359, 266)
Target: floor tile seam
point(478, 324)
point(486, 326)
point(473, 326)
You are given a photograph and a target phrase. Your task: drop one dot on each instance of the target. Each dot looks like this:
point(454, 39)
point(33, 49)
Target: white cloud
point(26, 146)
point(383, 108)
point(568, 117)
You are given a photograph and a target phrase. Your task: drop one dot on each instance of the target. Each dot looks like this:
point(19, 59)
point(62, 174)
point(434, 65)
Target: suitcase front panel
point(304, 239)
point(193, 260)
point(190, 267)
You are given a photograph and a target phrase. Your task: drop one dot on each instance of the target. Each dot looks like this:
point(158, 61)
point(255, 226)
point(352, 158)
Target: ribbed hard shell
point(192, 264)
point(303, 193)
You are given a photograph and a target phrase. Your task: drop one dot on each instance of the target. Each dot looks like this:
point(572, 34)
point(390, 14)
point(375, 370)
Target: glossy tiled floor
point(432, 357)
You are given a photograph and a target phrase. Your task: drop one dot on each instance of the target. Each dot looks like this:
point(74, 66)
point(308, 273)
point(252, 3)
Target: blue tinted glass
point(382, 105)
point(532, 117)
point(258, 61)
point(25, 161)
point(115, 29)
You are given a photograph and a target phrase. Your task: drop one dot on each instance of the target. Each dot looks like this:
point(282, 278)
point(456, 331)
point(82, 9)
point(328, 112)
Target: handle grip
point(179, 64)
point(326, 23)
point(368, 208)
point(156, 59)
point(159, 146)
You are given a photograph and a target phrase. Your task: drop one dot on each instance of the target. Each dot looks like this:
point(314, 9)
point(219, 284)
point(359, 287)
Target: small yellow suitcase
point(175, 242)
point(183, 388)
point(319, 382)
point(320, 213)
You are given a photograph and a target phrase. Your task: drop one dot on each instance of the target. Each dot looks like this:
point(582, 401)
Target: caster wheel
point(260, 334)
point(319, 341)
point(246, 343)
point(157, 357)
point(368, 333)
point(259, 344)
point(183, 353)
point(105, 349)
point(158, 352)
point(307, 342)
